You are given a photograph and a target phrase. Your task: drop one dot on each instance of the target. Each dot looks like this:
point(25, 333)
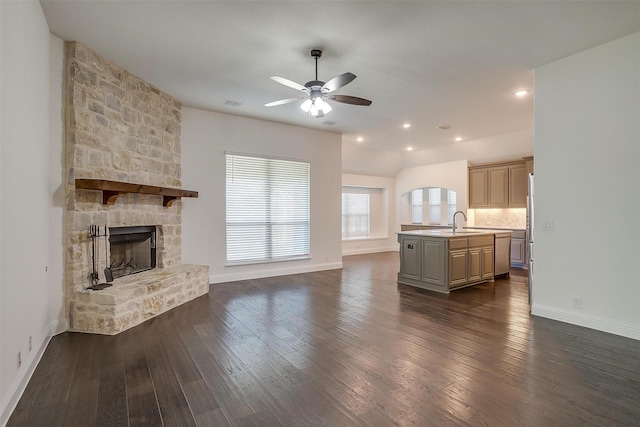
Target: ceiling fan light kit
point(317, 92)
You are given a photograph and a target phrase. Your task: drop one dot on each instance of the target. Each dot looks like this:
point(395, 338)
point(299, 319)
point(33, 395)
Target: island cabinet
point(442, 261)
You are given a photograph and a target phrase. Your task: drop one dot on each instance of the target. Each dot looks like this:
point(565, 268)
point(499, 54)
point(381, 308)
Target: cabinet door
point(458, 267)
point(478, 194)
point(410, 258)
point(475, 261)
point(518, 247)
point(434, 252)
point(518, 186)
point(487, 263)
point(498, 183)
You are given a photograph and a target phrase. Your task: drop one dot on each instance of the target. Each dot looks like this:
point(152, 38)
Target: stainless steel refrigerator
point(530, 233)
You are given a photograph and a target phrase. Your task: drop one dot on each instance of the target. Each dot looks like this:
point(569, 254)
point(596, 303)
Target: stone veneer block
point(135, 298)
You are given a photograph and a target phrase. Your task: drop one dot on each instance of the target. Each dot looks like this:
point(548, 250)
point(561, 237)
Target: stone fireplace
point(120, 128)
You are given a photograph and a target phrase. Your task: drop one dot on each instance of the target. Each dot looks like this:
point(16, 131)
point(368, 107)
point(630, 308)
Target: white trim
point(247, 275)
point(365, 239)
point(361, 251)
point(58, 326)
point(24, 375)
point(600, 324)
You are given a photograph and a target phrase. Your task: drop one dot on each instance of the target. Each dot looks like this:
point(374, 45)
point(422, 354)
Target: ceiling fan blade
point(287, 82)
point(354, 100)
point(337, 82)
point(281, 102)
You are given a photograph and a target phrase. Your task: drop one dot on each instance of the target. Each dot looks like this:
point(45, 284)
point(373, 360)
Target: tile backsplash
point(500, 218)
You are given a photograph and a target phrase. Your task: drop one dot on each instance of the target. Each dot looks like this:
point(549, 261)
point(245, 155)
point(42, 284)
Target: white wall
point(26, 195)
point(385, 239)
point(587, 172)
point(451, 175)
point(496, 148)
point(56, 187)
point(205, 138)
point(360, 160)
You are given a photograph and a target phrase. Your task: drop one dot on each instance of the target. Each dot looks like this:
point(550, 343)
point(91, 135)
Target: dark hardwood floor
point(344, 347)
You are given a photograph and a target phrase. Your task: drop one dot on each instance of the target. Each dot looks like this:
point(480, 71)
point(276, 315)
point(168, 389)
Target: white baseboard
point(257, 274)
point(58, 326)
point(26, 371)
point(592, 322)
point(362, 251)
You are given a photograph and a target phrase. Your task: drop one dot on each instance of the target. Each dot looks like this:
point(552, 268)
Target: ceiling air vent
point(445, 127)
point(328, 123)
point(232, 103)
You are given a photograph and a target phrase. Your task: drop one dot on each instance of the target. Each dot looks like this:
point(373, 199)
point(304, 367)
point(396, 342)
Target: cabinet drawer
point(458, 244)
point(475, 242)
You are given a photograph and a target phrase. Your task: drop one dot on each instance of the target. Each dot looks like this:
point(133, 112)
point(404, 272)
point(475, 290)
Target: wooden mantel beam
point(111, 190)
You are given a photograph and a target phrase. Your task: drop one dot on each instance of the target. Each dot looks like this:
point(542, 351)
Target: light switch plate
point(547, 225)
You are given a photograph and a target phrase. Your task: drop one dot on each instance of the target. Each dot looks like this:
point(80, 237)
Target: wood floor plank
point(345, 347)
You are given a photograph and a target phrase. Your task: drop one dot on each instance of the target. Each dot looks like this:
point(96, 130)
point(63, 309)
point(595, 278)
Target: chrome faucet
point(454, 219)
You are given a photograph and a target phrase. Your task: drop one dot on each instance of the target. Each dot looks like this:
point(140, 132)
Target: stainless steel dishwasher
point(502, 246)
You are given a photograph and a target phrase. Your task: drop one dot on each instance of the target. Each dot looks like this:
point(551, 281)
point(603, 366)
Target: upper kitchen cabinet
point(498, 186)
point(478, 188)
point(518, 186)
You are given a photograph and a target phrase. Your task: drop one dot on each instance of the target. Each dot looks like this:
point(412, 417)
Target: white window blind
point(451, 206)
point(355, 215)
point(434, 206)
point(267, 209)
point(416, 206)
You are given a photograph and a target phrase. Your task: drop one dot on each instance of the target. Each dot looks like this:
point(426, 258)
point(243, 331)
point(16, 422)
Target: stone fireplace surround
point(120, 128)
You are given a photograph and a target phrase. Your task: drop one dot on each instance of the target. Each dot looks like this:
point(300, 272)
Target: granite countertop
point(448, 233)
point(495, 228)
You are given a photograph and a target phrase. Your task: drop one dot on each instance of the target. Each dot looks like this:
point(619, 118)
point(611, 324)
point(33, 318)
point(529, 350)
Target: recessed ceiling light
point(409, 148)
point(359, 139)
point(406, 125)
point(521, 93)
point(445, 127)
point(458, 138)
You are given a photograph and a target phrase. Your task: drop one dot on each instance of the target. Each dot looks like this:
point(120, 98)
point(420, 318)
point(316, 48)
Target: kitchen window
point(434, 206)
point(267, 212)
point(429, 205)
point(416, 206)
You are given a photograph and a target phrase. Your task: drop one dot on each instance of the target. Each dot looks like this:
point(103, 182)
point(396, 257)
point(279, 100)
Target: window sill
point(266, 261)
point(365, 239)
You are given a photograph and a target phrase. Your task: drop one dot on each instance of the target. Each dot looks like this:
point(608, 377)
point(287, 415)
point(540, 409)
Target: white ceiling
point(426, 62)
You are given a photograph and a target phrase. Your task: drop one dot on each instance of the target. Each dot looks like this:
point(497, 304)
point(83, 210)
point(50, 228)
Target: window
point(267, 209)
point(416, 206)
point(434, 206)
point(431, 205)
point(355, 215)
point(451, 206)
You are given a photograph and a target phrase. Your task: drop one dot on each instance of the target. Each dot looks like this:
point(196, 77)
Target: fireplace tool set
point(95, 234)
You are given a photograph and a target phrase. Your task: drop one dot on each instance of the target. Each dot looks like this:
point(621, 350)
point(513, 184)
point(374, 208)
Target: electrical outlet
point(29, 342)
point(19, 360)
point(547, 225)
point(577, 303)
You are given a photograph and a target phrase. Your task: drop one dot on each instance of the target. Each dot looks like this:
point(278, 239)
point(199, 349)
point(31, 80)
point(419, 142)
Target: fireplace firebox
point(133, 249)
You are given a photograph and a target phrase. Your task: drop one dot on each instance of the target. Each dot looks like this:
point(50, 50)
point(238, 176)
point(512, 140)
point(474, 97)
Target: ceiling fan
point(316, 92)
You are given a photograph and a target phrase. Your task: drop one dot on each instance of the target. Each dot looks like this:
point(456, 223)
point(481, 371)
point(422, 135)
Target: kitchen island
point(441, 260)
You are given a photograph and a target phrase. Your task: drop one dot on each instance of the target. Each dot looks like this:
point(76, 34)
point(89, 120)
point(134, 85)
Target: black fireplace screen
point(133, 249)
